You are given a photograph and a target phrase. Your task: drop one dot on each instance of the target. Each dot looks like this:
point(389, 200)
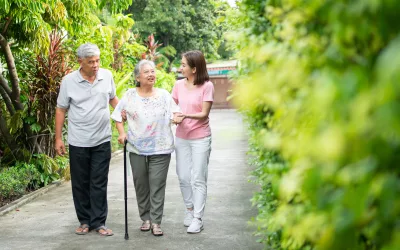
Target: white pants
point(192, 157)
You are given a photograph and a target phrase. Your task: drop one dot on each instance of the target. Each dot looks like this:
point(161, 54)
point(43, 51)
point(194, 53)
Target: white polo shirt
point(88, 107)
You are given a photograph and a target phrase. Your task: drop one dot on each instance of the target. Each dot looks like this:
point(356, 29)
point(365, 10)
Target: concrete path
point(49, 221)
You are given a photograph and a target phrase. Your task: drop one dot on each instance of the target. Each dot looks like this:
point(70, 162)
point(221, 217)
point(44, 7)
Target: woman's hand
point(122, 138)
point(123, 115)
point(178, 118)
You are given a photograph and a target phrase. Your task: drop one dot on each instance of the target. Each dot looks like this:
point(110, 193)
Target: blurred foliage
point(165, 80)
point(223, 13)
point(319, 84)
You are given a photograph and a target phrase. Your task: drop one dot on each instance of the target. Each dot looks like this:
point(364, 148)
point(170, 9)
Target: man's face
point(90, 65)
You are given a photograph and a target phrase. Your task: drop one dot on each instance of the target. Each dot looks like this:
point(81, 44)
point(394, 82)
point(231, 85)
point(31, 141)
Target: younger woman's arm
point(205, 112)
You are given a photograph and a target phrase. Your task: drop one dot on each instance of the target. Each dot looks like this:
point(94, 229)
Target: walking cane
point(125, 195)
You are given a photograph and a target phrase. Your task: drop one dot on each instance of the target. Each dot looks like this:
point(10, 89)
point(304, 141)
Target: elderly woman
point(149, 112)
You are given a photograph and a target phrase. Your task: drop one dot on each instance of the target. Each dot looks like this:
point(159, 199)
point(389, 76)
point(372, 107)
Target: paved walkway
point(49, 221)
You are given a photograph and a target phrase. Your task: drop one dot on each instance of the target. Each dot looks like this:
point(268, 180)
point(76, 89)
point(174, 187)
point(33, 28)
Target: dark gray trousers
point(150, 179)
point(89, 168)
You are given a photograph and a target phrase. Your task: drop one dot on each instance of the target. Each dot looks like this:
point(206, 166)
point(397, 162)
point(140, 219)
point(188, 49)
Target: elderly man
point(86, 94)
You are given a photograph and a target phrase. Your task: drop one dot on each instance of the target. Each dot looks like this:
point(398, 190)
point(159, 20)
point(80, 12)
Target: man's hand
point(59, 147)
point(122, 138)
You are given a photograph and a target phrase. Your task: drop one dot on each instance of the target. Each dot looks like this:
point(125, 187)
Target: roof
point(231, 64)
point(221, 67)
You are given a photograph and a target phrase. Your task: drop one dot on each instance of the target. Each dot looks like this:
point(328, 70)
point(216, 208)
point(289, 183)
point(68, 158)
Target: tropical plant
point(50, 169)
point(26, 26)
point(160, 56)
point(42, 81)
point(165, 80)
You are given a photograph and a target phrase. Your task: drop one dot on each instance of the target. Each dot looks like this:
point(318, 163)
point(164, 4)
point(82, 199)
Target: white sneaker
point(196, 226)
point(188, 218)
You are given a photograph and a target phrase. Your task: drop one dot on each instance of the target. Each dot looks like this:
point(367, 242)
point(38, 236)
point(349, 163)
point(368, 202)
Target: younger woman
point(194, 94)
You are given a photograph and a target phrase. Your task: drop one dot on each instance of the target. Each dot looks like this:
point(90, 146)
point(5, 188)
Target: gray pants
point(150, 178)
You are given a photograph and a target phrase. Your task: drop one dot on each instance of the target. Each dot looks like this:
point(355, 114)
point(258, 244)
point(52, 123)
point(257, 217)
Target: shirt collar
point(99, 76)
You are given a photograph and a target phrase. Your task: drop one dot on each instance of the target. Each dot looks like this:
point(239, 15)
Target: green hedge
point(23, 177)
point(319, 83)
point(15, 181)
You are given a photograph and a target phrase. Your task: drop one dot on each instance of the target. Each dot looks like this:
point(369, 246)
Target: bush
point(320, 80)
point(50, 169)
point(165, 80)
point(15, 181)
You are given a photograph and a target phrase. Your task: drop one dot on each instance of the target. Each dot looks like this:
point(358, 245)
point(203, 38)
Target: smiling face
point(185, 69)
point(147, 75)
point(90, 65)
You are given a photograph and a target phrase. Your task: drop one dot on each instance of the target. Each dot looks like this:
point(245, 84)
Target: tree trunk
point(12, 72)
point(165, 39)
point(6, 95)
point(15, 92)
point(9, 140)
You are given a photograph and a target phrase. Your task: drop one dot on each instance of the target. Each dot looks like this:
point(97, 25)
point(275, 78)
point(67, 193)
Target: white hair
point(88, 50)
point(139, 66)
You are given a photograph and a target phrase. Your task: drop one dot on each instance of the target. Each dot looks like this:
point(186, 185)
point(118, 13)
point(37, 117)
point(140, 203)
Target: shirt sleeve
point(174, 108)
point(175, 91)
point(116, 114)
point(208, 94)
point(113, 92)
point(63, 99)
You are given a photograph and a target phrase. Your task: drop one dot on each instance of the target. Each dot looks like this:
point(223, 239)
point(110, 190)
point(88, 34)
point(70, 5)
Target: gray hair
point(139, 66)
point(88, 50)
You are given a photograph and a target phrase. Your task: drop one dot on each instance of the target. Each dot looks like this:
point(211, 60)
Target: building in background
point(218, 73)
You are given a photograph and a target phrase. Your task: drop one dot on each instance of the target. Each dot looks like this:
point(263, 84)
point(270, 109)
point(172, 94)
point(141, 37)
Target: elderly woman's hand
point(122, 138)
point(123, 115)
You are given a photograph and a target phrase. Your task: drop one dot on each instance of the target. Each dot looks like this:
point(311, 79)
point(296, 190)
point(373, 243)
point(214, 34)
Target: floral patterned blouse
point(149, 121)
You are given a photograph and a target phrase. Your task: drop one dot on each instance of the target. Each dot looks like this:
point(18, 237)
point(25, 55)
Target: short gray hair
point(88, 50)
point(139, 66)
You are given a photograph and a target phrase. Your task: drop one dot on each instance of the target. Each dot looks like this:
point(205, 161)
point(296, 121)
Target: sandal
point(104, 231)
point(82, 229)
point(146, 225)
point(156, 230)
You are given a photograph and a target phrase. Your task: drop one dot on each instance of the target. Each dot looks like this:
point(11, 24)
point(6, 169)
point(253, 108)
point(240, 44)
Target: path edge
point(33, 195)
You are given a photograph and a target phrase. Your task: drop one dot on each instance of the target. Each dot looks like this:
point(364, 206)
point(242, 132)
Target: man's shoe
point(188, 218)
point(196, 226)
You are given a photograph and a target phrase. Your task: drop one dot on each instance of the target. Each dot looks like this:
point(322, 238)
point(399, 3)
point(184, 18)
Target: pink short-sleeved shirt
point(191, 101)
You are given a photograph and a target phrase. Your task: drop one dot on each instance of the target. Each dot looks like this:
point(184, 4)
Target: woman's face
point(147, 75)
point(185, 69)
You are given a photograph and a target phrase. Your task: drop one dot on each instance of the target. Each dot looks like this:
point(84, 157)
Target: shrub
point(50, 169)
point(15, 181)
point(165, 80)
